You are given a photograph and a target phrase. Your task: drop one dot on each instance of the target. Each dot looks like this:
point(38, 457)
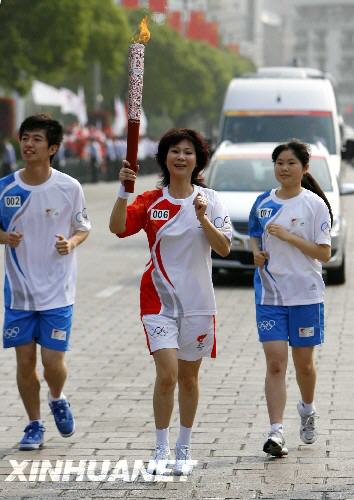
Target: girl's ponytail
point(310, 183)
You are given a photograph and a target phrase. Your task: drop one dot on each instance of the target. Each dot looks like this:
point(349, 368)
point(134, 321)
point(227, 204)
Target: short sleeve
point(136, 217)
point(220, 217)
point(255, 229)
point(80, 220)
point(322, 225)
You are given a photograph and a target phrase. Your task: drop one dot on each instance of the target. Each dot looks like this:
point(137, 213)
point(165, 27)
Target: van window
point(310, 128)
point(257, 174)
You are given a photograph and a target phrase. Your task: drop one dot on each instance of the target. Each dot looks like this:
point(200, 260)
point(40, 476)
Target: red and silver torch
point(135, 95)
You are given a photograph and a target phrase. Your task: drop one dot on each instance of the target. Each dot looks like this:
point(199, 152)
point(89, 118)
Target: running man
point(42, 220)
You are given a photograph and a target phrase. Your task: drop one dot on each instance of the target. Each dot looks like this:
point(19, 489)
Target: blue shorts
point(301, 326)
point(50, 329)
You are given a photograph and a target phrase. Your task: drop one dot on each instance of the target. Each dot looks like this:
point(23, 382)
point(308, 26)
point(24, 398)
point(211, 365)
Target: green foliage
point(38, 39)
point(107, 45)
point(61, 42)
point(185, 79)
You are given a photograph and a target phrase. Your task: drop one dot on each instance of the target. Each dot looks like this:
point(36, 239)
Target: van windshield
point(257, 174)
point(310, 128)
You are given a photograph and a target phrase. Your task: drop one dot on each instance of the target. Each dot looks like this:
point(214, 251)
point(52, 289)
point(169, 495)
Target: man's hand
point(63, 246)
point(14, 239)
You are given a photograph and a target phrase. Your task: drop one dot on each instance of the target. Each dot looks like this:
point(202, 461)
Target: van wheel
point(336, 276)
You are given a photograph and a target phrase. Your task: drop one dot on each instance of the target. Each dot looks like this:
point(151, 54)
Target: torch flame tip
point(144, 34)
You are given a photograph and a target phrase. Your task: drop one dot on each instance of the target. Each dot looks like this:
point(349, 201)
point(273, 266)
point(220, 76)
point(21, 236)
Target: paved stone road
point(111, 380)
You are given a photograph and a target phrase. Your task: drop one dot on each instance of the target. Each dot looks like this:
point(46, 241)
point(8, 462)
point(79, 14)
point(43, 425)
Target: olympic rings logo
point(159, 331)
point(266, 325)
point(220, 222)
point(11, 333)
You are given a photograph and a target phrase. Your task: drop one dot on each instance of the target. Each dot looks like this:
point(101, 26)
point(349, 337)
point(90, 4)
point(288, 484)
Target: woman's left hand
point(200, 203)
point(278, 231)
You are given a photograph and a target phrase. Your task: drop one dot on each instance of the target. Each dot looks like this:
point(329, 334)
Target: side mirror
point(348, 150)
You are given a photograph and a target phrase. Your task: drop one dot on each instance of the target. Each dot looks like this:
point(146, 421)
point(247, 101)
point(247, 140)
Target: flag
point(46, 95)
point(143, 123)
point(82, 112)
point(120, 118)
point(74, 104)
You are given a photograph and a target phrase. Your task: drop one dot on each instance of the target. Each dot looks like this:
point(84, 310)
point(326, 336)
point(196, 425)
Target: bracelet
point(122, 193)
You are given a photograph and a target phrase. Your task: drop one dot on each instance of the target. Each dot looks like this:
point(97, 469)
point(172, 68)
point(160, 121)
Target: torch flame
point(144, 34)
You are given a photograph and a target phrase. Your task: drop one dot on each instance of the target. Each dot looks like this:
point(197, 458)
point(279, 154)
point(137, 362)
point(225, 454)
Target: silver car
point(240, 172)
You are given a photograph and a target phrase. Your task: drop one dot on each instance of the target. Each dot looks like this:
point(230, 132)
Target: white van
point(278, 104)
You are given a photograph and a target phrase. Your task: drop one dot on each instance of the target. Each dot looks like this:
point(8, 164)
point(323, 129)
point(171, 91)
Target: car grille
point(240, 226)
point(246, 258)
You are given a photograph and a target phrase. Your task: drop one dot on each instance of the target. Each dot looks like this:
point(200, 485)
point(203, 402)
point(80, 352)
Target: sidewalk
point(111, 382)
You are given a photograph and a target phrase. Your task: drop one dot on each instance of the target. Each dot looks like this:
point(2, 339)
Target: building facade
point(324, 39)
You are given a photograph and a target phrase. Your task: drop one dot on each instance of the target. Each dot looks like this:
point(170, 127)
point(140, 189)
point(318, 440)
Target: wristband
point(122, 193)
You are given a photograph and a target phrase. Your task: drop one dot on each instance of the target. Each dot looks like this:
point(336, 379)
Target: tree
point(40, 39)
point(185, 80)
point(106, 46)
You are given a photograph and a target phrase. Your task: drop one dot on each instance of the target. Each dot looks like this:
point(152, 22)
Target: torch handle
point(132, 150)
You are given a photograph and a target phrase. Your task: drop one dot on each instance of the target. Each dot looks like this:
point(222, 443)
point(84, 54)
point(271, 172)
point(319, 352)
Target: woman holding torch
point(183, 221)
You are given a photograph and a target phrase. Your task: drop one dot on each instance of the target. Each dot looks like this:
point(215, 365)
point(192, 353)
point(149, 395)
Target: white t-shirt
point(177, 279)
point(36, 276)
point(289, 277)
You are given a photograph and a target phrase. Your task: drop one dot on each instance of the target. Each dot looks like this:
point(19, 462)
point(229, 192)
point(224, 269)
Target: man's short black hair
point(53, 129)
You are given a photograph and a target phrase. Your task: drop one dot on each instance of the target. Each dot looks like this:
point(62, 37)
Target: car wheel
point(336, 276)
point(215, 275)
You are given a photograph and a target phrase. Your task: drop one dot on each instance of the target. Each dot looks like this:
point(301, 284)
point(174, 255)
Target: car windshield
point(310, 128)
point(257, 174)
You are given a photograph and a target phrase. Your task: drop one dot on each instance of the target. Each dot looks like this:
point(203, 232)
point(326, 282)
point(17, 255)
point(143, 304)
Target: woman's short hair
point(175, 136)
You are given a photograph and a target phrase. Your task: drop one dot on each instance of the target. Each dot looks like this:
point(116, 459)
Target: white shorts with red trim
point(193, 336)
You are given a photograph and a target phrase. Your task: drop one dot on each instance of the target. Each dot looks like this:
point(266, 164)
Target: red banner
point(196, 25)
point(158, 5)
point(174, 20)
point(212, 33)
point(130, 4)
point(201, 29)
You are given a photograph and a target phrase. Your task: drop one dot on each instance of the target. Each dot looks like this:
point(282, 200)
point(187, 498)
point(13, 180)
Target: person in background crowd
point(7, 157)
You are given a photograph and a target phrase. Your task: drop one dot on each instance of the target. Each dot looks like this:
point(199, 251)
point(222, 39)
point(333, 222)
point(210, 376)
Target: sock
point(184, 438)
point(162, 437)
point(277, 427)
point(308, 408)
point(51, 398)
point(39, 420)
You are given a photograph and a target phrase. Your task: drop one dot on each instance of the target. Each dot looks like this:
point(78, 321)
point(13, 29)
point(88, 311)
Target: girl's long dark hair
point(303, 153)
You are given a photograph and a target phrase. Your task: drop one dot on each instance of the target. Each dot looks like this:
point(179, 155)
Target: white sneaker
point(184, 463)
point(308, 432)
point(275, 444)
point(158, 461)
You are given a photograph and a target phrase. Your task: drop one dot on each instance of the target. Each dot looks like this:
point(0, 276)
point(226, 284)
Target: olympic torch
point(135, 95)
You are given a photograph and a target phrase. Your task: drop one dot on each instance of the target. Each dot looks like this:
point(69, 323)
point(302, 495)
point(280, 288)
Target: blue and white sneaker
point(63, 417)
point(33, 438)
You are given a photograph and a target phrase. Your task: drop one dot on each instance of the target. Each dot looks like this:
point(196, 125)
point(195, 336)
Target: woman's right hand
point(260, 258)
point(126, 173)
